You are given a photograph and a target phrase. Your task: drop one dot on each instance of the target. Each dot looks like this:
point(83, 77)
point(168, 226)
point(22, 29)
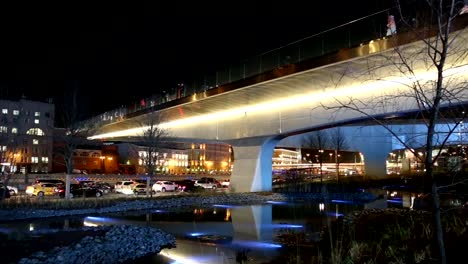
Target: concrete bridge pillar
point(375, 143)
point(252, 168)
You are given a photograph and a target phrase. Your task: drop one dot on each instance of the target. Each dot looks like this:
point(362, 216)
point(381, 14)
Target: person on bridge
point(391, 26)
point(464, 9)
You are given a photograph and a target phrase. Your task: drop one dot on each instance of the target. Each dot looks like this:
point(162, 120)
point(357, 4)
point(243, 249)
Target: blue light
point(193, 259)
point(99, 219)
point(394, 201)
point(286, 226)
point(158, 211)
point(196, 234)
point(342, 201)
point(256, 244)
point(6, 230)
point(334, 214)
point(276, 202)
point(82, 179)
point(93, 220)
point(223, 206)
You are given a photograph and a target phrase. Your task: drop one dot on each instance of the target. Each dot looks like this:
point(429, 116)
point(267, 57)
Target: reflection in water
point(221, 234)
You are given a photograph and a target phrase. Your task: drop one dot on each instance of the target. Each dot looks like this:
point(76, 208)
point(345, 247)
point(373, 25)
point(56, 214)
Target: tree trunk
point(438, 223)
point(67, 186)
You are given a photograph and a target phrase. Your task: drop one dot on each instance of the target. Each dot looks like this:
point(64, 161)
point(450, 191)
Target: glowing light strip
point(295, 101)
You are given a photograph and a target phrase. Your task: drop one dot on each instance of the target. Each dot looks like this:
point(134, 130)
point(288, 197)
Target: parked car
point(226, 183)
point(278, 180)
point(60, 189)
point(54, 181)
point(41, 189)
point(13, 190)
point(138, 181)
point(163, 186)
point(78, 190)
point(141, 189)
point(4, 192)
point(104, 187)
point(207, 184)
point(185, 185)
point(86, 182)
point(210, 180)
point(124, 187)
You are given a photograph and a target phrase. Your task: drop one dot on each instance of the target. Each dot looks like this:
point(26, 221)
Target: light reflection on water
point(217, 234)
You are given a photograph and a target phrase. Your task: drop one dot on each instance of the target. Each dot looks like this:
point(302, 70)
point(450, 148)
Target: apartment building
point(26, 136)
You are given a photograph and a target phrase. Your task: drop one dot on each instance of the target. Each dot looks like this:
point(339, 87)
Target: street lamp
point(103, 168)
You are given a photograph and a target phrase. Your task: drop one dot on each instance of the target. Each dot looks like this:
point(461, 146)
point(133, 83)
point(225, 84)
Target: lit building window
point(34, 160)
point(14, 130)
point(37, 114)
point(35, 141)
point(15, 112)
point(36, 121)
point(3, 129)
point(4, 111)
point(3, 148)
point(35, 131)
point(44, 159)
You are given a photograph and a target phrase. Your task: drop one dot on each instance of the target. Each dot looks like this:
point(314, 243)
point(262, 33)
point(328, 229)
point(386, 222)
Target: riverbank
point(397, 230)
point(103, 244)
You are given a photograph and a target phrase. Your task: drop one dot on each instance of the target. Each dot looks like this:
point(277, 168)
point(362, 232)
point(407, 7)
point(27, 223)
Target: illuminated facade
point(285, 158)
point(26, 133)
point(167, 161)
point(210, 158)
point(308, 160)
point(179, 158)
point(452, 159)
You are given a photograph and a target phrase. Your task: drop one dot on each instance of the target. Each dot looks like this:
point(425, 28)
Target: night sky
point(116, 55)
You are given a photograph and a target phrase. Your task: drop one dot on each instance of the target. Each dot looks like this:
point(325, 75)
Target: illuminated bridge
point(254, 113)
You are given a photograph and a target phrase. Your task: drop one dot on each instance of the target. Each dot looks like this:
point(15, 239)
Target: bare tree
point(428, 85)
point(71, 136)
point(319, 140)
point(151, 139)
point(338, 143)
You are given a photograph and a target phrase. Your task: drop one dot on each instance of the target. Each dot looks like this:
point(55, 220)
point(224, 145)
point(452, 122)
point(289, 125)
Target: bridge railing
point(343, 36)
